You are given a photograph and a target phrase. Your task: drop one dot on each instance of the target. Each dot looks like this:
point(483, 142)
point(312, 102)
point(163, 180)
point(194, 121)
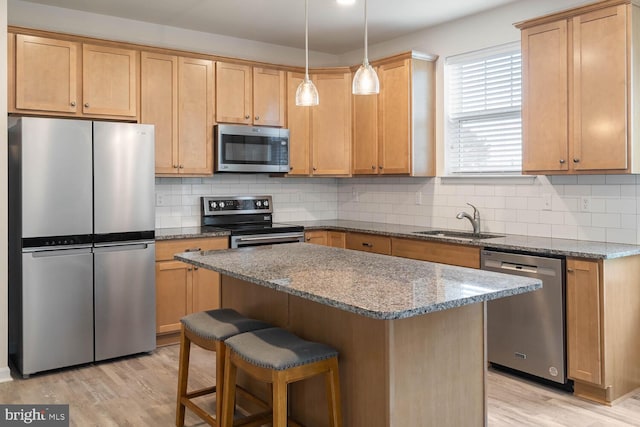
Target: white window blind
point(484, 126)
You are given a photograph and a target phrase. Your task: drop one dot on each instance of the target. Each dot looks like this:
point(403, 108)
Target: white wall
point(32, 15)
point(4, 366)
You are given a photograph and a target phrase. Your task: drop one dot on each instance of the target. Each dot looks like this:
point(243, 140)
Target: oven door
point(251, 149)
point(266, 239)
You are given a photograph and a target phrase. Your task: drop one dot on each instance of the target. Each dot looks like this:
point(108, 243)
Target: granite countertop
point(539, 245)
point(189, 233)
point(510, 242)
point(377, 286)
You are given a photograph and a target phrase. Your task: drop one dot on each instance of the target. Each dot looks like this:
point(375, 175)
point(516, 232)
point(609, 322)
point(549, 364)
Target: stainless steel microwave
point(240, 148)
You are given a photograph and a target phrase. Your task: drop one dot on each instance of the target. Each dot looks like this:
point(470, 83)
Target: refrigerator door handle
point(122, 246)
point(50, 252)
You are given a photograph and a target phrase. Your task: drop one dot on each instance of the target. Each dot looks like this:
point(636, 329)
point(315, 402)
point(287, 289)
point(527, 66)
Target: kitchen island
point(411, 334)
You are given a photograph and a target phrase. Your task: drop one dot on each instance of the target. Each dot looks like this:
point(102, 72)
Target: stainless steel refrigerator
point(81, 242)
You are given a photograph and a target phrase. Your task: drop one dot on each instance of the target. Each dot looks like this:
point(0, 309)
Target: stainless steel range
point(249, 219)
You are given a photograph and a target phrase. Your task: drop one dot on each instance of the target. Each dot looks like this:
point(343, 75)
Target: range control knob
point(259, 203)
point(266, 203)
point(221, 205)
point(214, 205)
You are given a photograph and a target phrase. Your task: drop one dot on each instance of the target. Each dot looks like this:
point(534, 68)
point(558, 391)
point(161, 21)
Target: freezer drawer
point(57, 307)
point(125, 302)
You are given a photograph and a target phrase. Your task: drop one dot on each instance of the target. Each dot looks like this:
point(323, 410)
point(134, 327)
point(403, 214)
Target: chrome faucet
point(475, 219)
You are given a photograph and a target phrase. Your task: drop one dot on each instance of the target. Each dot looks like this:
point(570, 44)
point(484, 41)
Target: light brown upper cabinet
point(394, 132)
point(578, 90)
point(68, 78)
point(320, 136)
point(177, 97)
point(250, 95)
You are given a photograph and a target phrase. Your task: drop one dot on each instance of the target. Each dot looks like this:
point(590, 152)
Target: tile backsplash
point(594, 207)
point(294, 199)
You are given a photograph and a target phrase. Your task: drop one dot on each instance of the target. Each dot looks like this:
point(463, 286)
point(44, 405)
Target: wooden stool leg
point(228, 391)
point(332, 381)
point(183, 376)
point(279, 400)
point(220, 364)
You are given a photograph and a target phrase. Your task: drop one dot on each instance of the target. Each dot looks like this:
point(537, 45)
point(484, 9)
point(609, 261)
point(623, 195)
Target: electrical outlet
point(159, 199)
point(418, 198)
point(585, 204)
point(546, 202)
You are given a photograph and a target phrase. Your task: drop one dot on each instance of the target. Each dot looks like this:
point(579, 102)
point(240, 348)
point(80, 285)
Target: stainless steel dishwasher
point(526, 332)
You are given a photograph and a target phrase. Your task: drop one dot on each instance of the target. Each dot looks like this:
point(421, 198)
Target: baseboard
point(5, 375)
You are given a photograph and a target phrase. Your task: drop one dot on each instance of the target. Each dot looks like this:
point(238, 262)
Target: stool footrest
point(201, 392)
point(254, 420)
point(200, 412)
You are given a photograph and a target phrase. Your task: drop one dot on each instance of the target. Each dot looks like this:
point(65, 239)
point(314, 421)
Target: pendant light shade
point(306, 94)
point(365, 81)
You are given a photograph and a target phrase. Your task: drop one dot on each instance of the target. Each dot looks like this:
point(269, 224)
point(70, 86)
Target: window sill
point(489, 180)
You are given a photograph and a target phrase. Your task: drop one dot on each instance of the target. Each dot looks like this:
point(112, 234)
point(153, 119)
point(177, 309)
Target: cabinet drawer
point(444, 253)
point(368, 243)
point(166, 249)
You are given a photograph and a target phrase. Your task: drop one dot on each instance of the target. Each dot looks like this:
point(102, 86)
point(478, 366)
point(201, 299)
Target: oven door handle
point(270, 237)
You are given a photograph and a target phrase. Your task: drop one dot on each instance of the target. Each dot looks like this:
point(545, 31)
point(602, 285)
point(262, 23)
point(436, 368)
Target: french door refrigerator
point(81, 244)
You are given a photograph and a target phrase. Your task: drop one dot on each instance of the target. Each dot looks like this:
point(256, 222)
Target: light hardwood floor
point(140, 391)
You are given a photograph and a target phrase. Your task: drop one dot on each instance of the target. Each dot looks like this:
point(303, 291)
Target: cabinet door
point(159, 106)
point(173, 295)
point(365, 133)
point(544, 85)
point(46, 74)
point(336, 239)
point(206, 289)
point(316, 237)
point(331, 125)
point(268, 97)
point(195, 116)
point(109, 78)
point(233, 94)
point(584, 339)
point(299, 123)
point(600, 89)
point(395, 118)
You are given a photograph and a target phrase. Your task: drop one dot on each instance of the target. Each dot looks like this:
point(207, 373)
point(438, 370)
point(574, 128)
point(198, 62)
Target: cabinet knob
point(569, 270)
point(373, 167)
point(175, 166)
point(181, 166)
point(195, 268)
point(247, 117)
point(290, 168)
point(189, 269)
point(315, 169)
point(86, 105)
point(257, 117)
point(576, 160)
point(380, 167)
point(562, 161)
point(367, 245)
point(73, 103)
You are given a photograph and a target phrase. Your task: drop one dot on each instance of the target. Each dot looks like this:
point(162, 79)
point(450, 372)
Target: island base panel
point(424, 369)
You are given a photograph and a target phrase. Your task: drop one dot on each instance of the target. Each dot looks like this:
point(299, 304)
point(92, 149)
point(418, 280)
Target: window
point(484, 125)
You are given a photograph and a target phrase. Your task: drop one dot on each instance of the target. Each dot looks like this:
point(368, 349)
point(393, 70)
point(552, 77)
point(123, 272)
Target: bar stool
point(279, 357)
point(208, 329)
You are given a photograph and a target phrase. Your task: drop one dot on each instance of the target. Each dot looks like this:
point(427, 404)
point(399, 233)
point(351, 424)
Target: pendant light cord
point(366, 50)
point(306, 39)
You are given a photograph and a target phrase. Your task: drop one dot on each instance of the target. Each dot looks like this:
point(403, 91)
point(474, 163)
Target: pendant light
point(365, 82)
point(306, 94)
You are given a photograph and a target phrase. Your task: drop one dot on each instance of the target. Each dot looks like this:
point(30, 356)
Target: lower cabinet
point(326, 238)
point(603, 337)
point(443, 253)
point(368, 243)
point(182, 288)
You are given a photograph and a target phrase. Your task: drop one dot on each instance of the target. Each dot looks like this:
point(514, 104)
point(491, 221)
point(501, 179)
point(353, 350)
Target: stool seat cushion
point(220, 324)
point(278, 349)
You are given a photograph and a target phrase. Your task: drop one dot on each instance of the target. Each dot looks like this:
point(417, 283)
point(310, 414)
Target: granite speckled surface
point(377, 286)
point(538, 245)
point(189, 233)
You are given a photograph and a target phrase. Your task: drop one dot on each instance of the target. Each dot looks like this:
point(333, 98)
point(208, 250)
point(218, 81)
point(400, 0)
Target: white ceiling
point(333, 28)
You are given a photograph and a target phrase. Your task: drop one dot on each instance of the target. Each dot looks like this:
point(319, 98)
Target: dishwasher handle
point(519, 267)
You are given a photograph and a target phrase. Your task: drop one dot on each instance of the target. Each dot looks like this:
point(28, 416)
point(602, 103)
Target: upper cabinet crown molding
point(579, 91)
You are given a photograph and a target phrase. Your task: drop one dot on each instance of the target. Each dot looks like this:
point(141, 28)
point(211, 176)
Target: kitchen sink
point(466, 235)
